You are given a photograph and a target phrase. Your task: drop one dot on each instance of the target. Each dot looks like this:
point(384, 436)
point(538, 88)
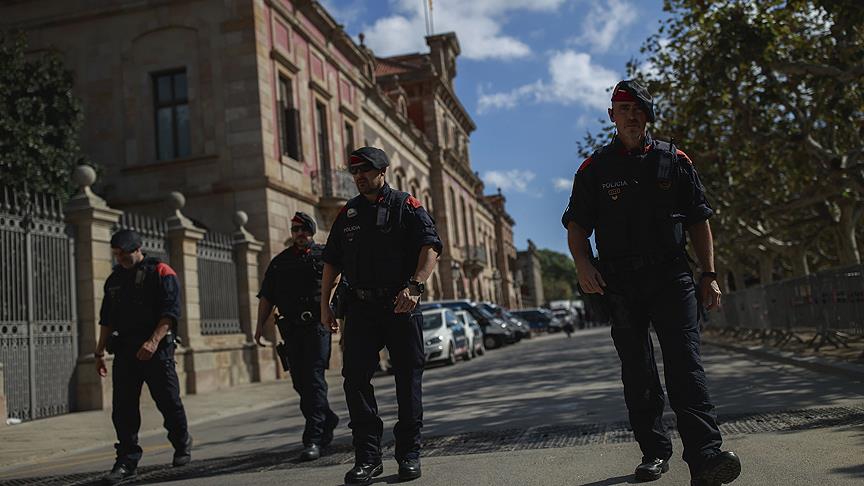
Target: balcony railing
point(475, 260)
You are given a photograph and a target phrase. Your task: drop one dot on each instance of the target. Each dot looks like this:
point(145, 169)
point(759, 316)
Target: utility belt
point(633, 263)
point(299, 317)
point(376, 296)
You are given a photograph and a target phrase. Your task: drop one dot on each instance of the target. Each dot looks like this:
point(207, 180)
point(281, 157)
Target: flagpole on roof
point(427, 14)
point(431, 19)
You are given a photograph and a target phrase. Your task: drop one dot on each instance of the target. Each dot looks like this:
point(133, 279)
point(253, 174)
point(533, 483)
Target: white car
point(473, 333)
point(443, 336)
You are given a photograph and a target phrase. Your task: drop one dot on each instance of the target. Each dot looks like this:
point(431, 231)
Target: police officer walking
point(638, 195)
point(385, 246)
point(292, 284)
point(138, 321)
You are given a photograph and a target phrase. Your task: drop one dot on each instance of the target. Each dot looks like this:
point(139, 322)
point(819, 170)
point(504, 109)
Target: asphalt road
point(530, 403)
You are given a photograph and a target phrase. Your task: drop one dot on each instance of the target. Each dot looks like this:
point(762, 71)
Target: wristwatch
point(711, 275)
point(416, 287)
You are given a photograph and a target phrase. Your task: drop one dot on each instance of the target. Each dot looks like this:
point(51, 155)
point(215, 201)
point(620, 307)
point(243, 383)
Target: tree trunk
point(846, 238)
point(800, 266)
point(766, 268)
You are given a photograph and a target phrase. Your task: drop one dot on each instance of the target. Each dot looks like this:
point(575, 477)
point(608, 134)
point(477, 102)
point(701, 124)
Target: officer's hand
point(259, 333)
point(328, 320)
point(589, 277)
point(710, 293)
point(148, 349)
point(405, 302)
point(101, 368)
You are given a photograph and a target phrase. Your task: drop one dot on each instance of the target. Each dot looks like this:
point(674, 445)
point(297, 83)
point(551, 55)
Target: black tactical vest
point(298, 279)
point(378, 251)
point(135, 296)
point(637, 201)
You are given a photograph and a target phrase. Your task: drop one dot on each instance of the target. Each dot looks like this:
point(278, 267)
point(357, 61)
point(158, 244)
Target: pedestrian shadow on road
point(627, 479)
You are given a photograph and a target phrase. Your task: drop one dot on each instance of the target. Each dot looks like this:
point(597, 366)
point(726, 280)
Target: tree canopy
point(39, 120)
point(766, 98)
point(559, 275)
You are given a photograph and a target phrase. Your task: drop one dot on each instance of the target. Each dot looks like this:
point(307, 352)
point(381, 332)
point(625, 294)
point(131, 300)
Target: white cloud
point(574, 79)
point(561, 184)
point(603, 24)
point(478, 24)
point(513, 179)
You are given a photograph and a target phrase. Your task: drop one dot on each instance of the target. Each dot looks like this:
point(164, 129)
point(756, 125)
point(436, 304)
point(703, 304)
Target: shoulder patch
point(414, 202)
point(585, 164)
point(344, 209)
point(164, 270)
point(681, 153)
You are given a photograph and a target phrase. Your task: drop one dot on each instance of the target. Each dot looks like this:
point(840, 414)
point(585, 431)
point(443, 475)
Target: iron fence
point(152, 231)
point(830, 302)
point(217, 285)
point(38, 324)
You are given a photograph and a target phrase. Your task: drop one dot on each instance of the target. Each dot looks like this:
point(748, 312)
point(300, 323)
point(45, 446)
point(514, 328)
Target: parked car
point(474, 334)
point(567, 318)
point(496, 332)
point(443, 336)
point(520, 327)
point(539, 319)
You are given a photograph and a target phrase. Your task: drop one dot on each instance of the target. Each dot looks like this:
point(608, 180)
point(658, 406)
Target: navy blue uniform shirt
point(135, 300)
point(373, 254)
point(293, 279)
point(618, 196)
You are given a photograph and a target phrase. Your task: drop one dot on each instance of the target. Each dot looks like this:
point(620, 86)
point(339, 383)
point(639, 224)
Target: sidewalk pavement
point(77, 432)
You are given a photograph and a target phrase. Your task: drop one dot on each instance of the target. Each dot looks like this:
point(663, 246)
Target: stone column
point(2, 398)
point(183, 237)
point(93, 221)
point(246, 250)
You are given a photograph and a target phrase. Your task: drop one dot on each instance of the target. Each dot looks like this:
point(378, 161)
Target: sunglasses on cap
point(297, 229)
point(356, 169)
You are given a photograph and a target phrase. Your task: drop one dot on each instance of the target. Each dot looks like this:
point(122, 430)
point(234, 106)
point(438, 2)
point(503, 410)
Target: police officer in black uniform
point(638, 195)
point(292, 283)
point(385, 246)
point(138, 321)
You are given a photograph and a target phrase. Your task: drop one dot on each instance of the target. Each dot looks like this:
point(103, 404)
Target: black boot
point(651, 469)
point(183, 454)
point(119, 473)
point(363, 473)
point(409, 469)
point(718, 470)
point(310, 452)
point(329, 427)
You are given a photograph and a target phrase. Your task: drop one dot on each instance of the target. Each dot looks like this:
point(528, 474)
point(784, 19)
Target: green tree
point(39, 119)
point(559, 275)
point(766, 97)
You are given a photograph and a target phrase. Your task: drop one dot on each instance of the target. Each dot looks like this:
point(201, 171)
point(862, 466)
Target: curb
point(813, 363)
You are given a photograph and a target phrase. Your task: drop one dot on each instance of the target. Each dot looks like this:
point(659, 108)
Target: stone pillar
point(93, 221)
point(246, 250)
point(183, 237)
point(2, 398)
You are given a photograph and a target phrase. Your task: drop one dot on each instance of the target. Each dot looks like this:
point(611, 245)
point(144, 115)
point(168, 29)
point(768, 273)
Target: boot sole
point(409, 476)
point(375, 473)
point(124, 480)
point(645, 476)
point(723, 472)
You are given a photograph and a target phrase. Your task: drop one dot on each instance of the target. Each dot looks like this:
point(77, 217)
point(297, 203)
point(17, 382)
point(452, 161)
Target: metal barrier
point(217, 284)
point(38, 331)
point(830, 302)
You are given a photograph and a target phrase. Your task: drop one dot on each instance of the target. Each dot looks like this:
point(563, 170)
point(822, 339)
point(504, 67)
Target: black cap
point(369, 155)
point(305, 221)
point(637, 93)
point(126, 240)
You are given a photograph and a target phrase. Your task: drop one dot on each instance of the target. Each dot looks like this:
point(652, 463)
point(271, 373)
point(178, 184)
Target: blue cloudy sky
point(534, 76)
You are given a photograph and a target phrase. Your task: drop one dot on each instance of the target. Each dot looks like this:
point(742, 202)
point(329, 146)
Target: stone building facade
point(254, 105)
point(532, 277)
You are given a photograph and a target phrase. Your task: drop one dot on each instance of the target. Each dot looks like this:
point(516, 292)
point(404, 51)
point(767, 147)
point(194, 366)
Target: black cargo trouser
point(368, 328)
point(308, 346)
point(128, 375)
point(664, 297)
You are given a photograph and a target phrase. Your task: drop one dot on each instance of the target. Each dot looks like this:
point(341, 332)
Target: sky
point(534, 75)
